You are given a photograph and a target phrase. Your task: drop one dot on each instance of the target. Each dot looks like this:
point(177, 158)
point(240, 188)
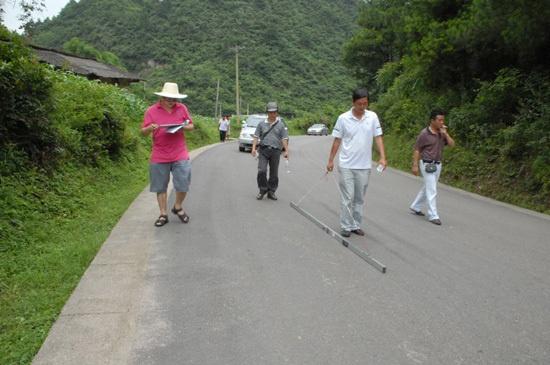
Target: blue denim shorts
point(159, 176)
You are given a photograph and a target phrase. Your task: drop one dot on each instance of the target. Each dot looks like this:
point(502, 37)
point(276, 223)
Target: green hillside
point(292, 49)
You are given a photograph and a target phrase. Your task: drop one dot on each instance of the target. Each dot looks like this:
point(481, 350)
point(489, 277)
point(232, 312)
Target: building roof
point(84, 66)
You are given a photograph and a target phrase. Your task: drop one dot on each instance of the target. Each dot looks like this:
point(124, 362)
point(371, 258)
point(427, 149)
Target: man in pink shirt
point(167, 120)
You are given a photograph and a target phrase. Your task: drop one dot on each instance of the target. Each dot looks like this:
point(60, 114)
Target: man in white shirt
point(223, 127)
point(355, 131)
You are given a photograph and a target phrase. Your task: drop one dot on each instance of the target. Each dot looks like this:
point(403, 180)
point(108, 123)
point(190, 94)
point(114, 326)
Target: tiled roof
point(83, 66)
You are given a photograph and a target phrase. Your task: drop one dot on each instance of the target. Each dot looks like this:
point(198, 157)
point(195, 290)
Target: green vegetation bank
point(484, 61)
point(71, 161)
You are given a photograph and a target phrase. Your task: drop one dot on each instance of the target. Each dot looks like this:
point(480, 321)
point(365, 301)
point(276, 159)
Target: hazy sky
point(53, 7)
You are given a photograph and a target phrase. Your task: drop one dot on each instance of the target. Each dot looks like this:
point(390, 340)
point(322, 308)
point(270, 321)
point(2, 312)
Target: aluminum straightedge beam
point(365, 256)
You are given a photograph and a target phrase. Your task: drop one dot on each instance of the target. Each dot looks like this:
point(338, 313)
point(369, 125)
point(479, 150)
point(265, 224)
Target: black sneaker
point(345, 233)
point(271, 195)
point(436, 222)
point(260, 196)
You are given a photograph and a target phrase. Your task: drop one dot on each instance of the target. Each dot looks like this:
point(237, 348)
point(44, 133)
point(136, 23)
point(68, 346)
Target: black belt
point(270, 147)
point(431, 161)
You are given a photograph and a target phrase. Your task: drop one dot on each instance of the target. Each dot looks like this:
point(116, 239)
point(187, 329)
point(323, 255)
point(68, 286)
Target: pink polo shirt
point(167, 147)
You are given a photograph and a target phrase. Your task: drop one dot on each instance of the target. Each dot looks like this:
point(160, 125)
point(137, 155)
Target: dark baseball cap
point(272, 106)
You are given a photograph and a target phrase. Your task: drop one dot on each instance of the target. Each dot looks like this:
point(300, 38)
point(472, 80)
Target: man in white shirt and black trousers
point(272, 135)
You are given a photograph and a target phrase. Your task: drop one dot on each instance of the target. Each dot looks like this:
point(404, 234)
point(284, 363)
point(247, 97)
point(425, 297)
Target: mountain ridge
point(291, 49)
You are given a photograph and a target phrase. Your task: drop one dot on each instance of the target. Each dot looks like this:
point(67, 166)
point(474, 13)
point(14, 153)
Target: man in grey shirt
point(271, 136)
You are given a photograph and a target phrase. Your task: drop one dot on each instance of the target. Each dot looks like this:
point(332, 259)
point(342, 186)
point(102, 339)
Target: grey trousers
point(271, 157)
point(353, 187)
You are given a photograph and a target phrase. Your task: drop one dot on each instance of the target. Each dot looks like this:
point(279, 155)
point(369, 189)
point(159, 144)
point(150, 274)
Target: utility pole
point(217, 97)
point(237, 99)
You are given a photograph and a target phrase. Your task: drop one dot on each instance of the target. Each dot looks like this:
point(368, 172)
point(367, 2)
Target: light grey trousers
point(353, 187)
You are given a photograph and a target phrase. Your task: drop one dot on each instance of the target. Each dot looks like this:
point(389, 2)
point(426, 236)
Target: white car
point(247, 131)
point(317, 130)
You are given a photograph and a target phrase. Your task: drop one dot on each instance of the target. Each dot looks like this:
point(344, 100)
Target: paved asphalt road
point(254, 282)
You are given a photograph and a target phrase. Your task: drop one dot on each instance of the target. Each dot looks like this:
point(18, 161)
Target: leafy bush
point(387, 74)
point(49, 116)
point(24, 101)
point(527, 141)
point(92, 118)
point(492, 109)
point(405, 106)
point(83, 49)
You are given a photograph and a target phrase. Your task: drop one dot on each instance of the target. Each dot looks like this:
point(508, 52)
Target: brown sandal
point(161, 221)
point(184, 218)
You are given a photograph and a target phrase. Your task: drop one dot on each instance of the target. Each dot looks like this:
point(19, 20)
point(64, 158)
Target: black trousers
point(271, 157)
point(222, 136)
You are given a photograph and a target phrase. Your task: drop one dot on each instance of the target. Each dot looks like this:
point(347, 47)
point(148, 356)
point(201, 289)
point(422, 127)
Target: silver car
point(247, 131)
point(317, 130)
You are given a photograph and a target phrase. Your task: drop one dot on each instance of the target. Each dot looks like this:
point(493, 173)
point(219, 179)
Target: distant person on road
point(427, 155)
point(167, 120)
point(355, 131)
point(271, 136)
point(223, 127)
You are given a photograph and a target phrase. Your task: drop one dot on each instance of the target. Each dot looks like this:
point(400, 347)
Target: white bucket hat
point(170, 90)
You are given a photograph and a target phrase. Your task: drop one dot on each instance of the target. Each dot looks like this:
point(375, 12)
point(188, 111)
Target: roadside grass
point(205, 132)
point(58, 234)
point(61, 221)
point(476, 173)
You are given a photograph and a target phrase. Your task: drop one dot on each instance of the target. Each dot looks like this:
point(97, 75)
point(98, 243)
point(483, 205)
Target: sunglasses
point(170, 99)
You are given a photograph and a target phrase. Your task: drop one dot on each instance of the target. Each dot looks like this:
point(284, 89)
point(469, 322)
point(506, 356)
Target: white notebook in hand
point(173, 128)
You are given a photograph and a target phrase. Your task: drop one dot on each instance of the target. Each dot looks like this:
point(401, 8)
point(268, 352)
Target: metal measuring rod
point(365, 256)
